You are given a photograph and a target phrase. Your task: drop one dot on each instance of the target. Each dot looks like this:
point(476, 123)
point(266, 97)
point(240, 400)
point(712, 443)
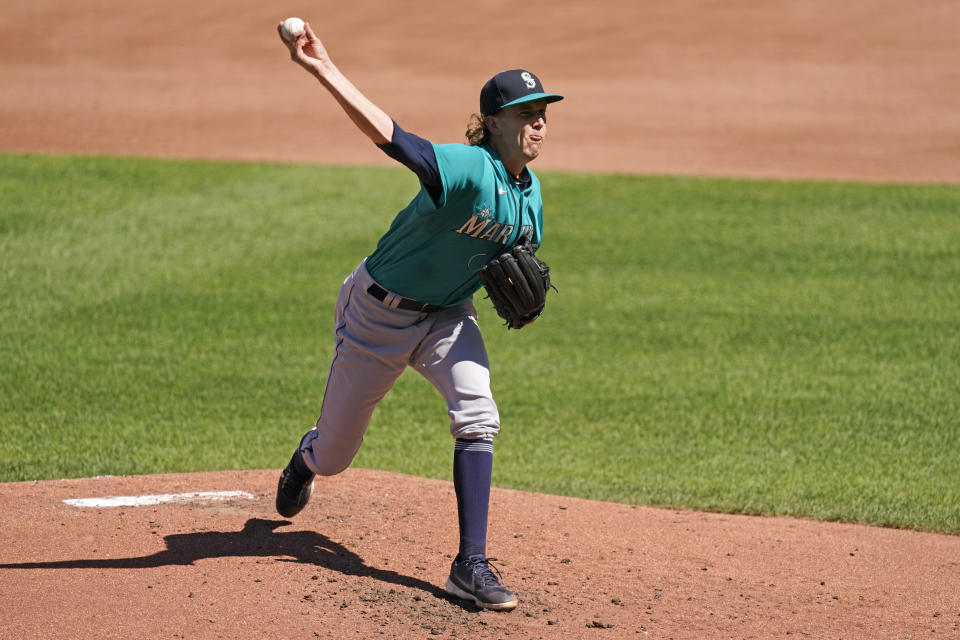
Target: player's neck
point(513, 161)
point(516, 169)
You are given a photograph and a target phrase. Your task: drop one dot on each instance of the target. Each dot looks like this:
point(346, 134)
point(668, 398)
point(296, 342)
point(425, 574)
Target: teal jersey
point(433, 250)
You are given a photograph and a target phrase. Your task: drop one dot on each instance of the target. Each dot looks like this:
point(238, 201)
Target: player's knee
point(328, 457)
point(329, 463)
point(476, 418)
point(331, 467)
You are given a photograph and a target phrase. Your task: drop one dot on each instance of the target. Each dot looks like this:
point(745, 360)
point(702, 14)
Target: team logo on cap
point(528, 80)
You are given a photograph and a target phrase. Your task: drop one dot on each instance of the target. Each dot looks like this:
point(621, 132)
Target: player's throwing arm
point(308, 51)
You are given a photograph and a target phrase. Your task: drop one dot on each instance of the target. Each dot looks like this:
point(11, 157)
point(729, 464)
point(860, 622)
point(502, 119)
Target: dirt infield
point(865, 90)
point(369, 555)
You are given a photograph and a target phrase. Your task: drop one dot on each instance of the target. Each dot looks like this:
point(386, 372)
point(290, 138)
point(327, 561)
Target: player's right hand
point(306, 50)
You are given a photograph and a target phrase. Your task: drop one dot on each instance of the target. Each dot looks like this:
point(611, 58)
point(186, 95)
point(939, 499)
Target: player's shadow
point(258, 538)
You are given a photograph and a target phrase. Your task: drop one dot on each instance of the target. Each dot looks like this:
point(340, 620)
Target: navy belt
point(409, 304)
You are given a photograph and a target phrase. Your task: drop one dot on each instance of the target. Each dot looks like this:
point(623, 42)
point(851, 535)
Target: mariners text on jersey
point(482, 227)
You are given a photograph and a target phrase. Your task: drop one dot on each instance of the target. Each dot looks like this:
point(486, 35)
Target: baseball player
point(409, 302)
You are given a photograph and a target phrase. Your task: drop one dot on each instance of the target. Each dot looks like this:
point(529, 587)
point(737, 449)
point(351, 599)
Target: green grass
point(744, 346)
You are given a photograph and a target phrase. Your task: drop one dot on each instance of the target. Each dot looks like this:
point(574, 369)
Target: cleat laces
point(484, 570)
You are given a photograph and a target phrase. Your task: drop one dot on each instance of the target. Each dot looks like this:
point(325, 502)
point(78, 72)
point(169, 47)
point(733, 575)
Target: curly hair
point(477, 132)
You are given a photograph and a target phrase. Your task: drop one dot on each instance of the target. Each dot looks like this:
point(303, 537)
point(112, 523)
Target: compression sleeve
point(416, 154)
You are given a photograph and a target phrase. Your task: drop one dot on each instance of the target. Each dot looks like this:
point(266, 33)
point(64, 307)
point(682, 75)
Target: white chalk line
point(149, 500)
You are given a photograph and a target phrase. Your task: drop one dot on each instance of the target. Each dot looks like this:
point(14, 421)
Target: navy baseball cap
point(512, 87)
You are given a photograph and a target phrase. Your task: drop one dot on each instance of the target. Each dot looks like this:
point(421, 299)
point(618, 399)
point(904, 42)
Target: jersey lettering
point(491, 232)
point(473, 227)
point(477, 227)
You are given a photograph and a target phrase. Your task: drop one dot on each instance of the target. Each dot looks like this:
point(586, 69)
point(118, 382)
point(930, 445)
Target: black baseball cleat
point(293, 490)
point(474, 580)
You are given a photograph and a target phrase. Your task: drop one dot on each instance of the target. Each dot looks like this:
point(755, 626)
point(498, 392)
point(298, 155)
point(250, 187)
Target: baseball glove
point(517, 282)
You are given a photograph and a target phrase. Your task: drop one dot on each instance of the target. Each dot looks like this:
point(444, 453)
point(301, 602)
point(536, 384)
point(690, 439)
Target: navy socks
point(472, 473)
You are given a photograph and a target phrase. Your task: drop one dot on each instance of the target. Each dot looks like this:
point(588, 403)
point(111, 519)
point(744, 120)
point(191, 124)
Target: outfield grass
point(745, 346)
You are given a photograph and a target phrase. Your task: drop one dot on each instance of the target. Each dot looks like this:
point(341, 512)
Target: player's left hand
point(517, 283)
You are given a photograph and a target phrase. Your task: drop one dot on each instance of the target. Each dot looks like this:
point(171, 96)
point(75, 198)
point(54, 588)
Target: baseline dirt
point(864, 90)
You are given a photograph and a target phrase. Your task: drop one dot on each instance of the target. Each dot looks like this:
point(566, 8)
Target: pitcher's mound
point(205, 555)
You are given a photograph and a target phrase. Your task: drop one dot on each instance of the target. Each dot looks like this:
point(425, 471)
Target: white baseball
point(291, 27)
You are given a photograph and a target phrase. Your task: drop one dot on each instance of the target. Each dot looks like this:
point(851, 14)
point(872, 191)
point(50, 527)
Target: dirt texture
point(369, 556)
point(865, 89)
point(861, 90)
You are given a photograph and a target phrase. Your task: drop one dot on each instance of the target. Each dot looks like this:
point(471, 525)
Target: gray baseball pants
point(375, 342)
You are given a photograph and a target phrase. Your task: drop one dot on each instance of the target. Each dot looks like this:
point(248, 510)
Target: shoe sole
point(454, 590)
point(298, 507)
